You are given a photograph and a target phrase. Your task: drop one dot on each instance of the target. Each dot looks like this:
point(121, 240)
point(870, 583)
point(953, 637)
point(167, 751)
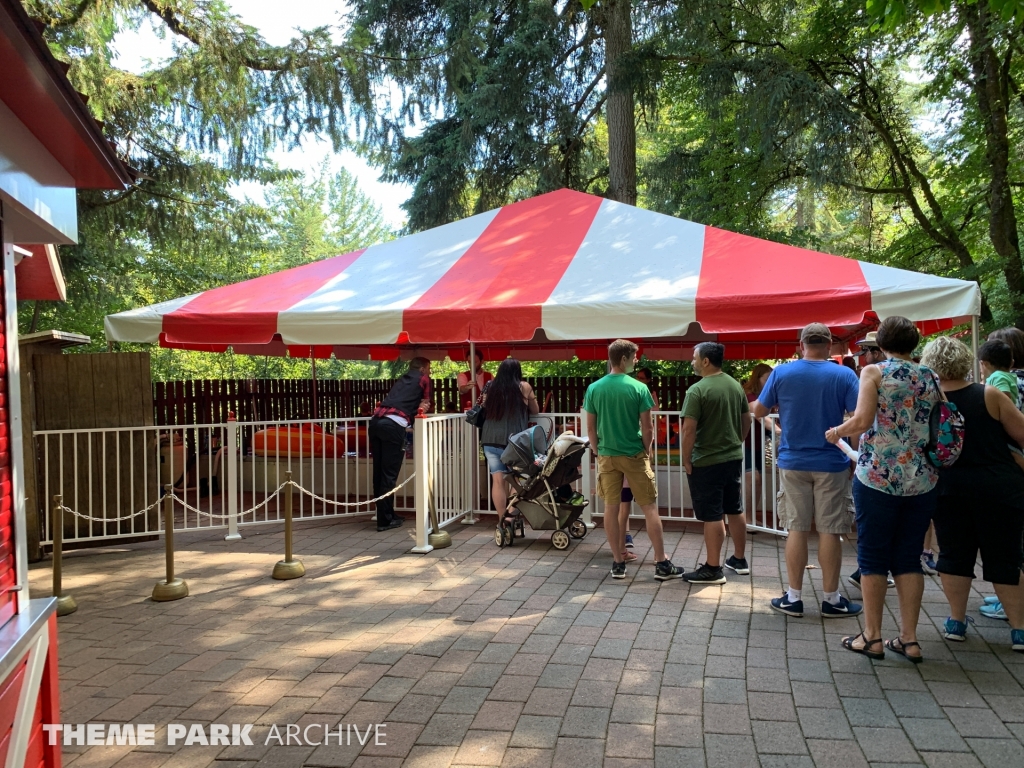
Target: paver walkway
point(519, 657)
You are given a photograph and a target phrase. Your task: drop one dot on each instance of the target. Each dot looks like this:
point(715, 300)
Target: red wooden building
point(50, 146)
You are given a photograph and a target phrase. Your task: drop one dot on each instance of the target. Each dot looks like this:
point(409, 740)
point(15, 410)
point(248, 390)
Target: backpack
point(945, 432)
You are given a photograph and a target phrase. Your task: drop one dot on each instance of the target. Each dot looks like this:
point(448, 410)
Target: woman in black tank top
point(981, 497)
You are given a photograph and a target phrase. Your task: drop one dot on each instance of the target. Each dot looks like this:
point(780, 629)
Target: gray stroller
point(542, 493)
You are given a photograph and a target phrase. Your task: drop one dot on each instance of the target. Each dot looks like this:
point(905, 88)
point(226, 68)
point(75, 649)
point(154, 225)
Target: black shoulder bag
point(477, 415)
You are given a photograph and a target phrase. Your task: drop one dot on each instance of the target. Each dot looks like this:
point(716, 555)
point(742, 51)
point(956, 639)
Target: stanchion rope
point(213, 515)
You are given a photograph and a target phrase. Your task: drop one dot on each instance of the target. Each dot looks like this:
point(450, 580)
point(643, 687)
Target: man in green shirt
point(716, 420)
point(621, 434)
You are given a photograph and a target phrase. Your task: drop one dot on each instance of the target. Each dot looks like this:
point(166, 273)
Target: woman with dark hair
point(895, 487)
point(1014, 338)
point(509, 402)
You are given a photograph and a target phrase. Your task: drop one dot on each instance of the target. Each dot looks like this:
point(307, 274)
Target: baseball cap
point(870, 341)
point(816, 333)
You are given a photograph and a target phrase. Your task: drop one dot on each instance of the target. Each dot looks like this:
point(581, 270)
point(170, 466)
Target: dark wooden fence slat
point(181, 403)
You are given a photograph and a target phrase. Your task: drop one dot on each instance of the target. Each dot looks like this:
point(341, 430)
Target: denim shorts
point(891, 529)
point(493, 456)
point(751, 462)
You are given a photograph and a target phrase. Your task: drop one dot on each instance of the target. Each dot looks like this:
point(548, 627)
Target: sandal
point(628, 557)
point(847, 643)
point(896, 645)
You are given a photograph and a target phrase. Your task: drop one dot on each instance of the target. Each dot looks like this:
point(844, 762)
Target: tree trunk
point(618, 40)
point(990, 90)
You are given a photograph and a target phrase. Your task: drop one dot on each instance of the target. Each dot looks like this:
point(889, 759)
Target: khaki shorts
point(636, 469)
point(818, 497)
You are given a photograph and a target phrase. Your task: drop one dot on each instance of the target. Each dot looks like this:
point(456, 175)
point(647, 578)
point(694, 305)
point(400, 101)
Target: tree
point(312, 219)
point(193, 127)
point(776, 96)
point(510, 108)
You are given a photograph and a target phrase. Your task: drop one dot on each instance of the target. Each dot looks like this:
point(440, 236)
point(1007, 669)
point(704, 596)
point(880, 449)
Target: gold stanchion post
point(65, 603)
point(288, 568)
point(170, 588)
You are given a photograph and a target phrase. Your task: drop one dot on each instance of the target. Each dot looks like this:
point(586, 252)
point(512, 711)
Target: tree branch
point(61, 22)
point(180, 28)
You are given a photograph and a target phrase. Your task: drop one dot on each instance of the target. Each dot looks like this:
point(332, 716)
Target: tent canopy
point(547, 278)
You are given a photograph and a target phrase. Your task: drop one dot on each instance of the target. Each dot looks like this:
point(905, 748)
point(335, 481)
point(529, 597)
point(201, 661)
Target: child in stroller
point(542, 493)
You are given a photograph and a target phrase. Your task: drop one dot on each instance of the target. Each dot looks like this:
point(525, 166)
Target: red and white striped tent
point(547, 278)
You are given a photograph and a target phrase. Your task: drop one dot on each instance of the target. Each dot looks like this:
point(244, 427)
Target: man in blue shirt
point(811, 394)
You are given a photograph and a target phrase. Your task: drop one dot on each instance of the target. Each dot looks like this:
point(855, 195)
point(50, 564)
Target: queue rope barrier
point(214, 515)
point(172, 588)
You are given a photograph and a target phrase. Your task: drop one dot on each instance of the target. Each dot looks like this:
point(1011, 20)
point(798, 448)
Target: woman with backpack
point(981, 496)
point(894, 487)
point(509, 402)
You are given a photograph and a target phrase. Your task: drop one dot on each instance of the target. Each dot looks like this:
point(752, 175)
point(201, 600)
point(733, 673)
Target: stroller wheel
point(560, 540)
point(578, 529)
point(522, 528)
point(499, 536)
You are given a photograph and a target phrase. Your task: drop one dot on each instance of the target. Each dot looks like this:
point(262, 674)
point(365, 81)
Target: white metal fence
point(114, 478)
point(760, 477)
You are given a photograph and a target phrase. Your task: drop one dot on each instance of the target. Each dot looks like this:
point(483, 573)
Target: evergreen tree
point(509, 108)
point(193, 127)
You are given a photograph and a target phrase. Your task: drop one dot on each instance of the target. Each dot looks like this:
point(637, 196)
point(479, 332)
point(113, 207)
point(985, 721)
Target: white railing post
point(588, 511)
point(421, 484)
point(231, 446)
point(470, 469)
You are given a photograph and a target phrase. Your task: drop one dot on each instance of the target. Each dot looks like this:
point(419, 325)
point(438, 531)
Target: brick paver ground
point(519, 657)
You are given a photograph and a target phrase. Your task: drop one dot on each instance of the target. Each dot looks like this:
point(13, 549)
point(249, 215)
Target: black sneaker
point(854, 578)
point(782, 605)
point(738, 564)
point(395, 523)
point(664, 571)
point(618, 570)
point(706, 574)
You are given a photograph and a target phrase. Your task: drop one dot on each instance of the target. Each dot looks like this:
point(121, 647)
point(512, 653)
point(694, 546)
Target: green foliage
point(507, 108)
point(890, 14)
point(886, 131)
point(194, 127)
point(804, 122)
point(115, 268)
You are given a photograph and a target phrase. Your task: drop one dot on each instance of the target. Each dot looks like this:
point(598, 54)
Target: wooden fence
point(179, 403)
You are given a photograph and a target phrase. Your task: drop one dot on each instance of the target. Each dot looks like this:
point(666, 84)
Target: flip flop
point(847, 643)
point(898, 646)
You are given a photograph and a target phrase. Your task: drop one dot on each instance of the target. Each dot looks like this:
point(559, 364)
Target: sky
point(136, 49)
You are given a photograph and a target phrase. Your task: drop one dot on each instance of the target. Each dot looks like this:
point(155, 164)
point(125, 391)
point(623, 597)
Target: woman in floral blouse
point(894, 487)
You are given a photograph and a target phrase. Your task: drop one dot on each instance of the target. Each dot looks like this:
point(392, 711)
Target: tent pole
point(312, 360)
point(470, 517)
point(974, 349)
point(472, 370)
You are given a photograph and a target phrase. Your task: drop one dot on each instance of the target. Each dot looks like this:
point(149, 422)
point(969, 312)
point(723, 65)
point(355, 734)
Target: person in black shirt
point(387, 435)
point(981, 497)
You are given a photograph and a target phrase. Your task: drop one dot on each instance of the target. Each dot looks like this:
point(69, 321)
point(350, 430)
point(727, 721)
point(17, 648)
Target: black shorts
point(965, 525)
point(715, 490)
point(627, 495)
